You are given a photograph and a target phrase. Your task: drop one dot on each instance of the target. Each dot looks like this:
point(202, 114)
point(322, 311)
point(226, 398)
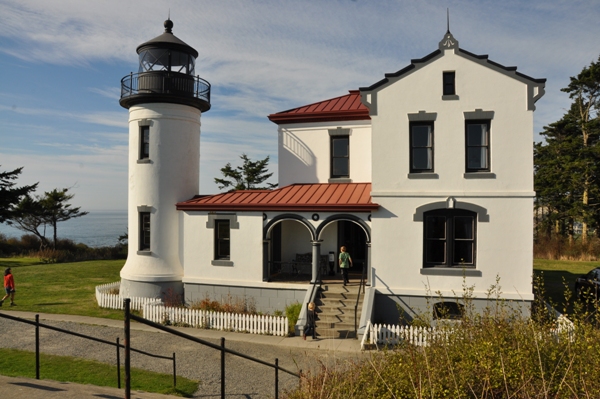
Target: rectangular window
point(421, 147)
point(449, 86)
point(477, 145)
point(449, 238)
point(340, 156)
point(144, 142)
point(144, 231)
point(222, 234)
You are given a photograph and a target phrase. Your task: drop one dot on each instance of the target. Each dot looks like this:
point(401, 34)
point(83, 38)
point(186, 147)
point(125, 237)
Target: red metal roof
point(335, 197)
point(344, 108)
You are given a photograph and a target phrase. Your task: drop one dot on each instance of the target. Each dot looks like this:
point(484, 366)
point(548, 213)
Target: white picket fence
point(154, 310)
point(253, 324)
point(115, 301)
point(388, 334)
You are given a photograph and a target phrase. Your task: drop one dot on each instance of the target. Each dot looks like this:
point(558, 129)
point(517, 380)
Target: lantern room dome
point(166, 73)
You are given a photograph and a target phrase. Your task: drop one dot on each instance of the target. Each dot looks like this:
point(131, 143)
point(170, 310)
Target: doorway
point(354, 238)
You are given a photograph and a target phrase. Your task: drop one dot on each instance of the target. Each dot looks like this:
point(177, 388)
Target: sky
point(61, 63)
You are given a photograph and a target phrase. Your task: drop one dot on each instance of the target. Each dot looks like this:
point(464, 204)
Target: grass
point(64, 288)
point(16, 363)
point(557, 273)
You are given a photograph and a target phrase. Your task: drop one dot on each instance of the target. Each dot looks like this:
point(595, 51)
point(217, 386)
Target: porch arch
point(335, 218)
point(267, 239)
point(365, 228)
point(289, 216)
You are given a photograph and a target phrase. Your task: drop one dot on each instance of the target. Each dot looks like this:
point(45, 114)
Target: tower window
point(449, 83)
point(144, 231)
point(144, 142)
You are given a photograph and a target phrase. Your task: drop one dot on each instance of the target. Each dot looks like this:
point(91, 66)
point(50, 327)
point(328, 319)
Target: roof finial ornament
point(169, 24)
point(448, 42)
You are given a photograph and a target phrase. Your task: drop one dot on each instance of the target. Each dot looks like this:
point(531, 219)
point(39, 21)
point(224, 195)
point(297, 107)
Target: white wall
point(478, 87)
point(304, 152)
point(505, 242)
point(170, 176)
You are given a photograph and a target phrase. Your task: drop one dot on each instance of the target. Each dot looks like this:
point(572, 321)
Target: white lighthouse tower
point(165, 100)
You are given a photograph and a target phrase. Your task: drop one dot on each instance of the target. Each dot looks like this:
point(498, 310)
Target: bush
point(560, 248)
point(230, 305)
point(292, 312)
point(499, 353)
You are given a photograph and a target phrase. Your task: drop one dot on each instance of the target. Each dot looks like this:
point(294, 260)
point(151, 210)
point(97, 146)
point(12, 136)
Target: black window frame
point(144, 142)
point(334, 157)
point(413, 147)
point(222, 250)
point(486, 146)
point(145, 226)
point(449, 83)
point(450, 241)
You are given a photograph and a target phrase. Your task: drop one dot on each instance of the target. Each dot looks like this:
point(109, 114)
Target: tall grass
point(499, 353)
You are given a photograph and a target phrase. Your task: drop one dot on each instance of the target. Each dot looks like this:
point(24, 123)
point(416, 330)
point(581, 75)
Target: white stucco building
point(426, 176)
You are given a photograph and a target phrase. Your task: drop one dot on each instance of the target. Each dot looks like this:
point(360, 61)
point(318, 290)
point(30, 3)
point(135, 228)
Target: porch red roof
point(335, 197)
point(344, 108)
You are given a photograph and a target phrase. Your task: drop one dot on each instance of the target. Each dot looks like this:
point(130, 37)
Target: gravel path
point(244, 378)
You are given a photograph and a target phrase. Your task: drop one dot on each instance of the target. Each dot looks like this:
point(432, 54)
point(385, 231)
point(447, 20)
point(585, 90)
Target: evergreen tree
point(34, 214)
point(567, 164)
point(10, 195)
point(57, 209)
point(249, 176)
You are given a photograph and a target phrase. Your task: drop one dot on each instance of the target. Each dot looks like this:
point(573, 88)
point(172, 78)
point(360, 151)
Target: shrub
point(498, 353)
point(292, 312)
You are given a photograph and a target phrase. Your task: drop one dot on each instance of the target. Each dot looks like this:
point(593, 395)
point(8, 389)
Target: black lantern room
point(166, 74)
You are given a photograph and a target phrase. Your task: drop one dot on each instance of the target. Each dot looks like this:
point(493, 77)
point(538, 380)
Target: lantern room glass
point(167, 60)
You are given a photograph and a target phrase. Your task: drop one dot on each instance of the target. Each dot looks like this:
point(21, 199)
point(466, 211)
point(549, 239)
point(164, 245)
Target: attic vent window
point(449, 83)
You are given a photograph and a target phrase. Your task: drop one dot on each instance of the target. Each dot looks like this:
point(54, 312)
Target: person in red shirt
point(9, 286)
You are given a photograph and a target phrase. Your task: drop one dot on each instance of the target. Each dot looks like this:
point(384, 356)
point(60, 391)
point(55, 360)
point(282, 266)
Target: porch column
point(369, 264)
point(265, 260)
point(316, 254)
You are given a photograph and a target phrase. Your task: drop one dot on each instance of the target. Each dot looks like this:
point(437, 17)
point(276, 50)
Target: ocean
point(96, 229)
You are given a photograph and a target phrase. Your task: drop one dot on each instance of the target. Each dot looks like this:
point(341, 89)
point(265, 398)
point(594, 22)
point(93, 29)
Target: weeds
point(499, 352)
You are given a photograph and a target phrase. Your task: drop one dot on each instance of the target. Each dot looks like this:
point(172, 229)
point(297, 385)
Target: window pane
point(476, 134)
point(340, 147)
point(463, 252)
point(477, 158)
point(463, 227)
point(422, 158)
point(436, 252)
point(340, 167)
point(436, 227)
point(421, 136)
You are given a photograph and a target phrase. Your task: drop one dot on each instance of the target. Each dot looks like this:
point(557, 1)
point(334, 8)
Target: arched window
point(450, 238)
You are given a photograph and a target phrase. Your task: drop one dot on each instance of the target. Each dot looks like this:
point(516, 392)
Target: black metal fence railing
point(160, 82)
point(129, 317)
point(116, 344)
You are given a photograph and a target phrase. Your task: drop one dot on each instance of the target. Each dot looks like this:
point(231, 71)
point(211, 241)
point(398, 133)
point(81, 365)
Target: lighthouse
point(165, 100)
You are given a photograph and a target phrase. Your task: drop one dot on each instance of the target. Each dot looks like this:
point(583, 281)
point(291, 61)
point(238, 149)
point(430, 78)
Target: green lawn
point(64, 288)
point(16, 363)
point(557, 273)
point(68, 288)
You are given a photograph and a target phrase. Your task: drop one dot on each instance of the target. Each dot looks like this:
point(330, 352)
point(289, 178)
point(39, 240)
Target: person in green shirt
point(345, 262)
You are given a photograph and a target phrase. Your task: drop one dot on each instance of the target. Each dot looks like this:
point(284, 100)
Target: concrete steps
point(335, 310)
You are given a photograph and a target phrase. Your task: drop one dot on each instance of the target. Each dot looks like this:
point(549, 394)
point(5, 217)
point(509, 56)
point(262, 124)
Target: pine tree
point(249, 176)
point(10, 195)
